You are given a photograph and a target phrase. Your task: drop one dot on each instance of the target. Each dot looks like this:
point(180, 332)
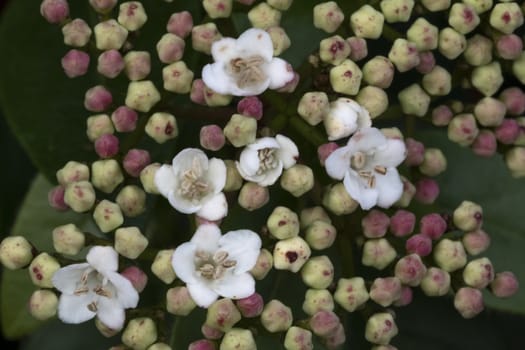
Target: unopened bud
point(76, 33)
point(42, 269)
point(397, 10)
point(218, 8)
point(487, 78)
point(97, 99)
point(252, 196)
point(515, 161)
point(130, 242)
point(15, 252)
point(419, 244)
point(367, 22)
point(162, 267)
point(135, 161)
point(351, 293)
point(98, 125)
point(380, 328)
point(469, 302)
point(164, 346)
point(106, 146)
point(80, 196)
point(179, 301)
point(132, 15)
point(489, 111)
point(414, 100)
point(162, 127)
point(43, 304)
point(476, 242)
point(508, 131)
point(263, 265)
point(177, 78)
point(358, 48)
point(463, 18)
point(137, 65)
point(407, 295)
point(110, 35)
point(140, 333)
point(504, 285)
point(325, 150)
point(320, 235)
point(203, 36)
point(147, 178)
point(506, 17)
point(324, 323)
point(264, 16)
point(103, 6)
point(297, 179)
point(180, 24)
point(338, 201)
point(211, 137)
point(450, 255)
point(436, 5)
point(54, 11)
point(317, 300)
point(291, 254)
point(68, 239)
point(509, 46)
point(404, 55)
point(410, 270)
point(346, 78)
point(378, 253)
point(106, 175)
point(124, 119)
point(409, 190)
point(250, 106)
point(107, 216)
point(318, 272)
point(75, 63)
point(280, 40)
point(438, 82)
point(402, 223)
point(238, 338)
point(211, 333)
point(328, 16)
point(427, 62)
point(136, 276)
point(436, 282)
point(375, 224)
point(240, 130)
point(468, 216)
point(283, 223)
point(334, 50)
point(55, 198)
point(478, 51)
point(373, 99)
point(276, 317)
point(385, 291)
point(451, 44)
point(298, 339)
point(310, 215)
point(214, 99)
point(415, 152)
point(142, 95)
point(379, 71)
point(110, 63)
point(441, 115)
point(434, 162)
point(478, 273)
point(251, 306)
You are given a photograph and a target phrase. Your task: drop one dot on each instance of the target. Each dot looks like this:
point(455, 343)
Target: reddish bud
point(485, 144)
point(508, 131)
point(402, 223)
point(375, 224)
point(514, 100)
point(136, 276)
point(54, 11)
point(432, 225)
point(427, 190)
point(75, 63)
point(55, 197)
point(180, 23)
point(325, 150)
point(124, 119)
point(106, 146)
point(419, 244)
point(251, 306)
point(136, 160)
point(250, 106)
point(97, 99)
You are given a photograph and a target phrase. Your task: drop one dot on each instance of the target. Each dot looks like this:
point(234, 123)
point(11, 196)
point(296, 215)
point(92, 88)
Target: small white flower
point(344, 117)
point(194, 183)
point(94, 289)
point(246, 66)
point(263, 161)
point(367, 166)
point(213, 265)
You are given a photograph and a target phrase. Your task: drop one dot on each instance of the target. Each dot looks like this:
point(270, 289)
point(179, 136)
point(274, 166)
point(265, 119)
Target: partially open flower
point(213, 265)
point(246, 66)
point(344, 117)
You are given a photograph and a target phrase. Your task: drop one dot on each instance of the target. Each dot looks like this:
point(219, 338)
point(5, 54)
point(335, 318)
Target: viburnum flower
point(263, 161)
point(367, 166)
point(246, 66)
point(344, 117)
point(214, 265)
point(194, 183)
point(95, 288)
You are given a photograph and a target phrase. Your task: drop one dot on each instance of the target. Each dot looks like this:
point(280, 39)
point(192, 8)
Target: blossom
point(214, 265)
point(344, 117)
point(95, 288)
point(367, 166)
point(263, 161)
point(246, 66)
point(194, 183)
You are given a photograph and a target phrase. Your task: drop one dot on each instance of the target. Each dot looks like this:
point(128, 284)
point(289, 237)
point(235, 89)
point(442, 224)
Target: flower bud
point(310, 215)
point(438, 82)
point(75, 63)
point(252, 196)
point(358, 48)
point(211, 333)
point(130, 242)
point(385, 291)
point(80, 196)
point(97, 99)
point(214, 99)
point(162, 127)
point(124, 119)
point(54, 11)
point(434, 162)
point(404, 55)
point(318, 272)
point(105, 330)
point(106, 146)
point(436, 282)
point(218, 8)
point(15, 252)
point(291, 254)
point(379, 71)
point(132, 15)
point(406, 297)
point(203, 36)
point(177, 78)
point(414, 100)
point(68, 239)
point(297, 179)
point(515, 161)
point(410, 270)
point(211, 137)
point(518, 68)
point(476, 242)
point(378, 253)
point(162, 267)
point(338, 201)
point(43, 304)
point(478, 273)
point(441, 115)
point(107, 216)
point(380, 328)
point(469, 302)
point(478, 51)
point(351, 293)
point(346, 78)
point(103, 6)
point(238, 338)
point(325, 150)
point(110, 35)
point(402, 223)
point(132, 200)
point(110, 63)
point(55, 198)
point(264, 16)
point(179, 301)
point(397, 10)
point(324, 323)
point(298, 339)
point(180, 24)
point(142, 95)
point(136, 276)
point(450, 255)
point(76, 33)
point(251, 306)
point(451, 44)
point(419, 244)
point(240, 130)
point(367, 22)
point(280, 40)
point(328, 16)
point(463, 129)
point(320, 235)
point(250, 106)
point(283, 223)
point(508, 131)
point(509, 46)
point(427, 62)
point(504, 285)
point(489, 111)
point(164, 346)
point(334, 50)
point(317, 300)
point(147, 178)
point(263, 265)
point(468, 216)
point(137, 66)
point(506, 17)
point(436, 5)
point(463, 18)
point(106, 175)
point(276, 317)
point(140, 333)
point(415, 152)
point(135, 161)
point(375, 224)
point(409, 190)
point(98, 125)
point(487, 78)
point(373, 99)
point(42, 269)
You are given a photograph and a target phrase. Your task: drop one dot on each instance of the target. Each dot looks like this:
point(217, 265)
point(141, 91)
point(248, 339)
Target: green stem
point(174, 332)
point(310, 133)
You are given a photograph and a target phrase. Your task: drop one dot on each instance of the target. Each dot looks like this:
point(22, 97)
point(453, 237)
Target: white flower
point(213, 265)
point(194, 183)
point(263, 161)
point(94, 289)
point(368, 166)
point(246, 66)
point(344, 117)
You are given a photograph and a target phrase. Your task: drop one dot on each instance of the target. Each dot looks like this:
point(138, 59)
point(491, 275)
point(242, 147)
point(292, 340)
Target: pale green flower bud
point(238, 338)
point(328, 16)
point(283, 223)
point(313, 106)
point(103, 6)
point(346, 78)
point(404, 55)
point(170, 48)
point(282, 5)
point(478, 273)
point(162, 267)
point(309, 215)
point(436, 5)
point(240, 130)
point(132, 15)
point(137, 65)
point(291, 254)
point(72, 172)
point(384, 347)
point(162, 127)
point(379, 71)
point(68, 239)
point(105, 330)
point(397, 10)
point(409, 191)
point(423, 34)
point(317, 300)
point(506, 17)
point(410, 270)
point(338, 201)
point(130, 242)
point(318, 272)
point(280, 40)
point(43, 304)
point(107, 175)
point(490, 111)
point(334, 50)
point(438, 82)
point(252, 196)
point(479, 6)
point(518, 68)
point(468, 216)
point(159, 346)
point(380, 328)
point(276, 317)
point(140, 333)
point(451, 44)
point(463, 18)
point(436, 282)
point(414, 100)
point(351, 293)
point(450, 255)
point(80, 196)
point(233, 178)
point(297, 179)
point(434, 162)
point(42, 269)
point(177, 78)
point(515, 161)
point(487, 78)
point(218, 8)
point(373, 99)
point(479, 50)
point(367, 22)
point(378, 253)
point(263, 265)
point(203, 36)
point(76, 33)
point(298, 339)
point(110, 35)
point(98, 125)
point(142, 95)
point(107, 216)
point(463, 129)
point(222, 315)
point(214, 99)
point(320, 234)
point(147, 178)
point(179, 301)
point(15, 252)
point(469, 302)
point(132, 200)
point(264, 16)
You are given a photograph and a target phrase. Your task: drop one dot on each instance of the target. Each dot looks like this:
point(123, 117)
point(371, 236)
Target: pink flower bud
point(55, 198)
point(514, 100)
point(212, 137)
point(325, 150)
point(415, 152)
point(103, 6)
point(375, 224)
point(469, 302)
point(106, 146)
point(385, 291)
point(427, 190)
point(323, 323)
point(180, 23)
point(485, 144)
point(427, 61)
point(136, 160)
point(202, 344)
point(410, 270)
point(223, 315)
point(407, 294)
point(136, 276)
point(290, 86)
point(476, 242)
point(110, 63)
point(432, 225)
point(504, 285)
point(419, 244)
point(251, 306)
point(54, 11)
point(75, 63)
point(358, 48)
point(508, 131)
point(441, 115)
point(402, 223)
point(124, 119)
point(97, 99)
point(250, 106)
point(197, 92)
point(170, 48)
point(436, 282)
point(211, 333)
point(509, 46)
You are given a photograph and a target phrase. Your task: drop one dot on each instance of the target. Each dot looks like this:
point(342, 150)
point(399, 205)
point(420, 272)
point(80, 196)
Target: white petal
point(366, 139)
point(243, 246)
point(255, 42)
point(217, 78)
point(235, 286)
point(264, 142)
point(165, 180)
point(183, 204)
point(288, 152)
point(183, 261)
point(248, 163)
point(366, 197)
point(110, 313)
point(73, 308)
point(185, 160)
point(269, 177)
point(338, 163)
point(392, 155)
point(341, 120)
point(66, 278)
point(207, 237)
point(224, 50)
point(280, 73)
point(103, 258)
point(126, 294)
point(214, 208)
point(390, 188)
point(216, 175)
point(201, 293)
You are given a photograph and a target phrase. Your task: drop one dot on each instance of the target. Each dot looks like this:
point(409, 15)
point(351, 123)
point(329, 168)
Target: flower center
point(95, 282)
point(267, 160)
point(247, 70)
point(358, 162)
point(212, 267)
point(191, 185)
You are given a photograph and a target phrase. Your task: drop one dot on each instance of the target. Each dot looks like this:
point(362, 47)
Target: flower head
point(263, 161)
point(214, 265)
point(95, 288)
point(194, 183)
point(367, 166)
point(246, 66)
